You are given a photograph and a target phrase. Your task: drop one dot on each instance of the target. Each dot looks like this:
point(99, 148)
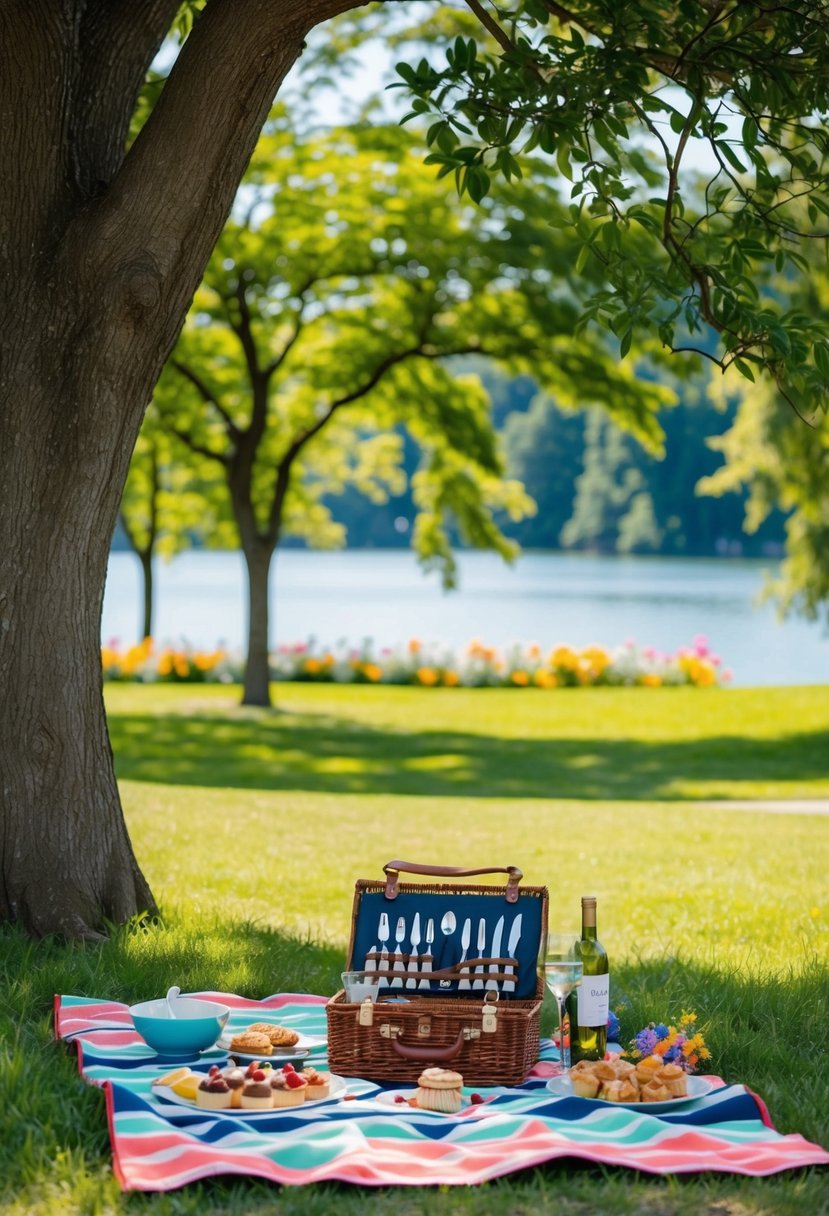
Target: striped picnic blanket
point(158, 1146)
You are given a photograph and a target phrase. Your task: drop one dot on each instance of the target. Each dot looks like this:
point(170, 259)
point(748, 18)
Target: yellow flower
point(426, 675)
point(165, 663)
point(520, 678)
point(564, 657)
point(414, 646)
point(181, 665)
point(814, 913)
point(451, 679)
point(544, 678)
point(651, 681)
point(312, 666)
point(372, 672)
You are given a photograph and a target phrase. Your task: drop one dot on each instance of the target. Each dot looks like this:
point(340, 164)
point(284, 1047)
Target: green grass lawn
point(253, 825)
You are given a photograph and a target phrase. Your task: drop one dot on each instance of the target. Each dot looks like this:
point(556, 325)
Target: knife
point(398, 964)
point(426, 960)
point(478, 982)
point(495, 952)
point(466, 938)
point(414, 956)
point(512, 946)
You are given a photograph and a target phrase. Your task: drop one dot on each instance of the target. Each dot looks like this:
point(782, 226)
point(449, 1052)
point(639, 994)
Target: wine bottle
point(588, 1004)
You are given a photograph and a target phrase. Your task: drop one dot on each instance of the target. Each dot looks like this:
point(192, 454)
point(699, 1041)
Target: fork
point(398, 964)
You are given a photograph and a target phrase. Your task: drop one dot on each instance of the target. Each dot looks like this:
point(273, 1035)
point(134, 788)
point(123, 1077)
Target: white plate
point(165, 1094)
point(299, 1051)
point(562, 1087)
point(388, 1097)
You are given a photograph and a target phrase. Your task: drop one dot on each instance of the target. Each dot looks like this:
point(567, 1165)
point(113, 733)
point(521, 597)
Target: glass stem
point(563, 1044)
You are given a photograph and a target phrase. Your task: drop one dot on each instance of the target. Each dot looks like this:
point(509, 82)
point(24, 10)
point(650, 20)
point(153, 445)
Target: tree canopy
point(333, 312)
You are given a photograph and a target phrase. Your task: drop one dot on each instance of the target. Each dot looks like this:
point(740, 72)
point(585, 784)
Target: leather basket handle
point(430, 1055)
point(392, 870)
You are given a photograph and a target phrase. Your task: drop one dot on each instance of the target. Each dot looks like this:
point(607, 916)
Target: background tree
point(326, 319)
point(783, 463)
point(107, 240)
point(164, 509)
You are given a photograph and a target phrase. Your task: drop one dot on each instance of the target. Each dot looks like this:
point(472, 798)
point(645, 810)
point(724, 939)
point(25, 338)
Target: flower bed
point(429, 665)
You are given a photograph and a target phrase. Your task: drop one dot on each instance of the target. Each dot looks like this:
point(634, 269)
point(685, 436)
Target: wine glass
point(562, 973)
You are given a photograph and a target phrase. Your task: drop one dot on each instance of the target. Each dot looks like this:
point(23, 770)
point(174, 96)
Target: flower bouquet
point(681, 1044)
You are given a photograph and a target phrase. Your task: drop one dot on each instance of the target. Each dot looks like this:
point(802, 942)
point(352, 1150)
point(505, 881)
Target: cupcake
point(213, 1092)
point(439, 1089)
point(235, 1078)
point(288, 1088)
point(319, 1083)
point(256, 1092)
point(674, 1079)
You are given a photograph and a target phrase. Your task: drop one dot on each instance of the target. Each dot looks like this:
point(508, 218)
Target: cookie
point(278, 1036)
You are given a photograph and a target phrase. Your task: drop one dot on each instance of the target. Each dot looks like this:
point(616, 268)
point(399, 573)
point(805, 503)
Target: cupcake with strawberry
point(288, 1088)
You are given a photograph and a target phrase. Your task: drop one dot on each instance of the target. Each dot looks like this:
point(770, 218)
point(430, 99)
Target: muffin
point(654, 1091)
point(319, 1083)
point(674, 1079)
point(256, 1092)
point(213, 1092)
point(585, 1084)
point(647, 1069)
point(439, 1089)
point(278, 1036)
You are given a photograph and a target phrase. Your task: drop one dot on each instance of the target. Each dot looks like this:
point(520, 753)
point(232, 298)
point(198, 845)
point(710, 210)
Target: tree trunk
point(257, 689)
point(101, 251)
point(66, 863)
point(145, 556)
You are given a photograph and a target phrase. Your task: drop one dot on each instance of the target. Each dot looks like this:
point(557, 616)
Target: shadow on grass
point(328, 754)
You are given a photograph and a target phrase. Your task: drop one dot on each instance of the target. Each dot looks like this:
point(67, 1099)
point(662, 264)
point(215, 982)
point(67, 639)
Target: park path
point(805, 806)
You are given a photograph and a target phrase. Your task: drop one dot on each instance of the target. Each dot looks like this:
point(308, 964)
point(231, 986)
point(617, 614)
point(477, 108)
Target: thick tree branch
point(169, 200)
point(118, 40)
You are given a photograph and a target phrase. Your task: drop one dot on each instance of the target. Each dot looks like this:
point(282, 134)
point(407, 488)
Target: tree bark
point(100, 253)
point(257, 690)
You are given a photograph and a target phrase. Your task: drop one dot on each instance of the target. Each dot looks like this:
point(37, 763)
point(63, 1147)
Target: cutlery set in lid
point(425, 953)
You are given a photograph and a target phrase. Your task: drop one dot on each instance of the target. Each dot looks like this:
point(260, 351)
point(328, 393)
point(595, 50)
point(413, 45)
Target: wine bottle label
point(594, 1000)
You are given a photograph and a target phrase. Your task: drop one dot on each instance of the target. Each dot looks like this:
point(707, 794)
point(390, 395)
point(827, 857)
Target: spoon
point(172, 995)
point(448, 925)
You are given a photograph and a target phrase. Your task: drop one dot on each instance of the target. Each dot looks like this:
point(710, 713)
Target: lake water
point(548, 598)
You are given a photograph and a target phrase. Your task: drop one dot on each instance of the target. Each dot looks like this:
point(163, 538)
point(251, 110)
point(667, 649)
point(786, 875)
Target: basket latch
point(365, 1016)
point(489, 1013)
point(388, 1030)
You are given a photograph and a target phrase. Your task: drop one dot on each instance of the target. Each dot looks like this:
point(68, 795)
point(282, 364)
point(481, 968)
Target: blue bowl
point(196, 1026)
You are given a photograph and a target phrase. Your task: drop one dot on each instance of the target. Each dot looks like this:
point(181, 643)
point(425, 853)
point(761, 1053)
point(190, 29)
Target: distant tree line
point(597, 489)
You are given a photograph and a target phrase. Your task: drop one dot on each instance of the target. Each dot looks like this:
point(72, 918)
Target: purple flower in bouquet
point(646, 1041)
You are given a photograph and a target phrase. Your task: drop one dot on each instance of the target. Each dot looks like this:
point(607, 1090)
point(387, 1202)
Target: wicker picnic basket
point(476, 1012)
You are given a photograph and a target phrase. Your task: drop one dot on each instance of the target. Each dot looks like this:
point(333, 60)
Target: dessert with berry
point(213, 1092)
point(288, 1087)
